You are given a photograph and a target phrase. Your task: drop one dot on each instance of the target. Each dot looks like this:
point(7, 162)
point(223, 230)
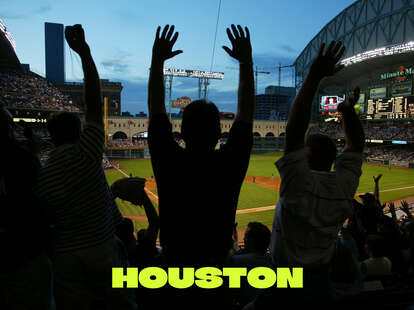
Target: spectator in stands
point(25, 269)
point(370, 213)
point(75, 190)
point(27, 90)
point(314, 202)
point(377, 265)
point(132, 190)
point(254, 254)
point(345, 276)
point(392, 242)
point(256, 243)
point(199, 173)
point(201, 131)
point(147, 238)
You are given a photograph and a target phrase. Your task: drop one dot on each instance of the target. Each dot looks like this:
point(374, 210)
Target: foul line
point(390, 190)
point(253, 210)
point(149, 193)
point(261, 209)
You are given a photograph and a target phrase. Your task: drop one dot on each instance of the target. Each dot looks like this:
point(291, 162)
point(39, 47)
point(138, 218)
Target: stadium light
point(194, 74)
point(378, 52)
point(7, 34)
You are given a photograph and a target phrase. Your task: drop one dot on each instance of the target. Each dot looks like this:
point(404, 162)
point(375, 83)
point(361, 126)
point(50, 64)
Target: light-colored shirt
point(312, 208)
point(73, 187)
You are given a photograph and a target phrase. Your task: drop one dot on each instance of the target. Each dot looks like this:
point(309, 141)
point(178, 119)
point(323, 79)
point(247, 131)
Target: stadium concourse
point(54, 191)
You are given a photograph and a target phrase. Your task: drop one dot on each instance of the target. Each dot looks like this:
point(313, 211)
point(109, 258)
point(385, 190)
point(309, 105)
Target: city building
point(110, 90)
point(275, 103)
point(54, 53)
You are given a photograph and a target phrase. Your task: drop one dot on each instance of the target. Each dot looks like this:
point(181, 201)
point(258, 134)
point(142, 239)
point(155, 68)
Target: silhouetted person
point(25, 269)
point(256, 244)
point(73, 186)
point(315, 202)
point(198, 186)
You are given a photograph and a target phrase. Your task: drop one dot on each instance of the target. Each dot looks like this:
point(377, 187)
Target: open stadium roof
point(8, 57)
point(366, 25)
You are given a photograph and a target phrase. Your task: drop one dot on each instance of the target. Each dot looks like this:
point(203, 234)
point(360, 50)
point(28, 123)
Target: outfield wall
point(397, 163)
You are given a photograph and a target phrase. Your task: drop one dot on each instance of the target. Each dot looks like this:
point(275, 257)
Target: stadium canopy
point(8, 57)
point(371, 30)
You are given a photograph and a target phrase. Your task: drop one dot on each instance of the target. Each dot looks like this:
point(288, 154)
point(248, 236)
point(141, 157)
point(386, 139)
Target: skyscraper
point(275, 104)
point(55, 52)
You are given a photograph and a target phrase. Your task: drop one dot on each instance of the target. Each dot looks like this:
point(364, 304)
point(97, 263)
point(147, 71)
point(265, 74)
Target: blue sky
point(120, 34)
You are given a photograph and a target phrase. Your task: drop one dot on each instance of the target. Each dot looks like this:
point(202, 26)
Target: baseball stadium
point(379, 40)
point(378, 60)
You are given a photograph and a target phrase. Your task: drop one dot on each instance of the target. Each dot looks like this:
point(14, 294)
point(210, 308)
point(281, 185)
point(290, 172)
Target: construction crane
point(256, 73)
point(280, 67)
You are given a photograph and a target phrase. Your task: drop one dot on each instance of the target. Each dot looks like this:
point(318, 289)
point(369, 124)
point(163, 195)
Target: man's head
point(257, 237)
point(322, 152)
point(200, 127)
point(64, 128)
point(6, 126)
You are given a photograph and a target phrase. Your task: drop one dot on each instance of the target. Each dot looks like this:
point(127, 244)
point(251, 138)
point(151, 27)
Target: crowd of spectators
point(77, 233)
point(106, 163)
point(127, 143)
point(26, 90)
point(375, 131)
point(390, 153)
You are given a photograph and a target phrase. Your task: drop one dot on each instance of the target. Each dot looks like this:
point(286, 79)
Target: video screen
point(329, 103)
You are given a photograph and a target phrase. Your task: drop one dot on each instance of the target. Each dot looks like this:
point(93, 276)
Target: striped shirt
point(73, 187)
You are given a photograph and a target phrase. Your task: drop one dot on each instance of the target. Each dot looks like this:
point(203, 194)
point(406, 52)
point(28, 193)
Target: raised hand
point(75, 36)
point(391, 206)
point(325, 64)
point(240, 41)
point(162, 48)
point(376, 179)
point(405, 207)
point(348, 105)
point(130, 189)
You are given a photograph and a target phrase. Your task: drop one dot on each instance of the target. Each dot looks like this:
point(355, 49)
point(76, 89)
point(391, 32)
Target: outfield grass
point(253, 195)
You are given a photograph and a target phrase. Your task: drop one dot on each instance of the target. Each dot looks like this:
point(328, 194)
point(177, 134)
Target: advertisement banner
point(401, 89)
point(378, 93)
point(181, 103)
point(400, 163)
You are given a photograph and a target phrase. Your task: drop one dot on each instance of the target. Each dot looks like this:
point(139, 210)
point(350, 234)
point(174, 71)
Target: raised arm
point(153, 220)
point(75, 37)
point(376, 188)
point(354, 133)
point(161, 51)
point(242, 51)
point(324, 65)
point(406, 209)
point(391, 207)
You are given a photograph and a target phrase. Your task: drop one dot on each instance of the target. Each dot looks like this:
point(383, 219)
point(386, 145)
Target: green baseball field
point(259, 192)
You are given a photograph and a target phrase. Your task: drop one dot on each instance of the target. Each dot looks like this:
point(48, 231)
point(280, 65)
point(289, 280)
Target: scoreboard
point(390, 108)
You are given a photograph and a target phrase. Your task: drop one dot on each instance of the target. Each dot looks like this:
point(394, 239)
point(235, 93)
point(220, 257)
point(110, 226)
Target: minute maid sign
point(401, 75)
